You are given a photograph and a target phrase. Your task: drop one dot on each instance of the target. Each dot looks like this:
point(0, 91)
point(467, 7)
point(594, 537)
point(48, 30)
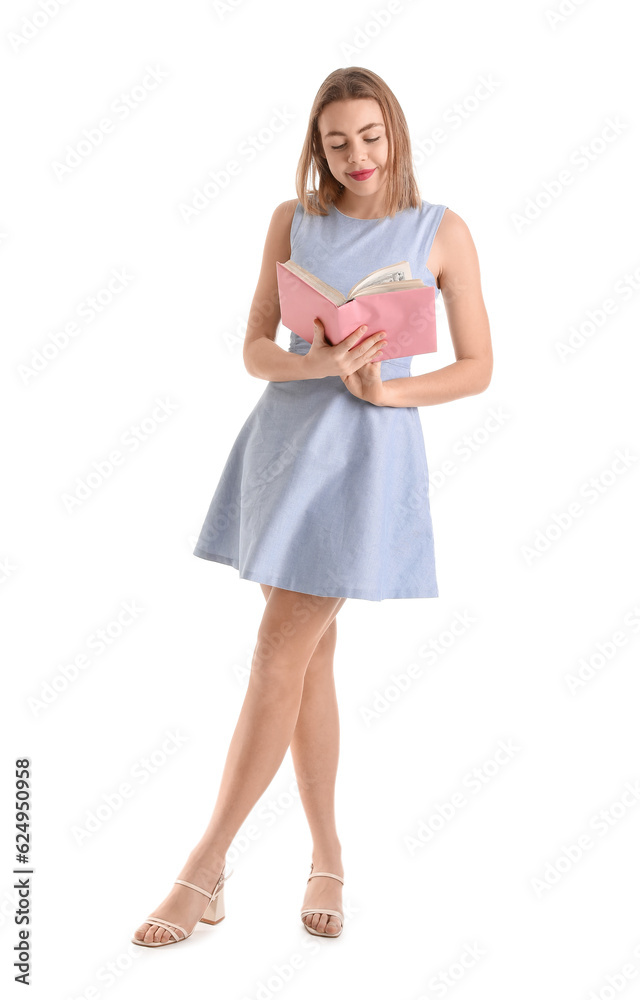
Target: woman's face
point(358, 143)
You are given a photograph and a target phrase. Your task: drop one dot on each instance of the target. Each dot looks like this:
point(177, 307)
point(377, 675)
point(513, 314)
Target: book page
point(392, 272)
point(320, 286)
point(390, 286)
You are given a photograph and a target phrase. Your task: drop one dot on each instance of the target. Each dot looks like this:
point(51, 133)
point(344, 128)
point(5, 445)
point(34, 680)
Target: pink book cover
point(408, 315)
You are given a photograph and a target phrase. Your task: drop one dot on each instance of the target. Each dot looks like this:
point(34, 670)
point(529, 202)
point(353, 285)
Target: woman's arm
point(459, 280)
point(262, 357)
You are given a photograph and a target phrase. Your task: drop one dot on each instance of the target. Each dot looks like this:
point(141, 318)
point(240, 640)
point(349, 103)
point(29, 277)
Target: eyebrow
point(363, 129)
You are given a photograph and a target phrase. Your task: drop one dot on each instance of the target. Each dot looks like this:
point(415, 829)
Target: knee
point(327, 642)
point(321, 662)
point(285, 650)
point(278, 668)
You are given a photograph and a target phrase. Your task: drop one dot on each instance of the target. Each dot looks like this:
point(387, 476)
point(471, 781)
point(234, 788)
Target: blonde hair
point(343, 85)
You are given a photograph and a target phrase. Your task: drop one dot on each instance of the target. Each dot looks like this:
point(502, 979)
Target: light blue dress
point(322, 492)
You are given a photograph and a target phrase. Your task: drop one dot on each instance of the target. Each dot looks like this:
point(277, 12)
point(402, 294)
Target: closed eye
point(366, 140)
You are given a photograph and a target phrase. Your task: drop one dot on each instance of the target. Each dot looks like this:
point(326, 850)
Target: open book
point(407, 315)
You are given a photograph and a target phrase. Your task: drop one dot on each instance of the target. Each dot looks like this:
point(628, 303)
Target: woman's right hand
point(324, 358)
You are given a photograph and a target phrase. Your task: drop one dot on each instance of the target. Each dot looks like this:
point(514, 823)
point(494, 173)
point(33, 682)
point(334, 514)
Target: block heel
point(214, 912)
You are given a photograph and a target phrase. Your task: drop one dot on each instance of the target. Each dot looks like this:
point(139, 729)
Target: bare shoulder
point(264, 314)
point(453, 225)
point(285, 210)
point(279, 233)
point(287, 207)
point(453, 232)
point(453, 247)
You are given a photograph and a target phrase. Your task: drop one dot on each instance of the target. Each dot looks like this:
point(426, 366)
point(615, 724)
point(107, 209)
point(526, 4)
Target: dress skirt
point(324, 493)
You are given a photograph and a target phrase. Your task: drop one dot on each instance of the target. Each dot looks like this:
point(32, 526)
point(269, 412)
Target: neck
point(370, 207)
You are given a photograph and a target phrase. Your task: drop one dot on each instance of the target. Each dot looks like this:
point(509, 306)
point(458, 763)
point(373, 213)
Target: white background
point(484, 878)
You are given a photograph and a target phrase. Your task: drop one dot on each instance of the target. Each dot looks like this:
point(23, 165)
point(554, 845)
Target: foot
point(324, 891)
point(183, 905)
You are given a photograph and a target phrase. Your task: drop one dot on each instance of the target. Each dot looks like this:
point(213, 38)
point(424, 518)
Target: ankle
point(327, 857)
point(206, 859)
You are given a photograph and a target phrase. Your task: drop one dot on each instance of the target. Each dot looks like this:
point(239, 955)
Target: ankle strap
point(329, 875)
point(224, 875)
point(204, 892)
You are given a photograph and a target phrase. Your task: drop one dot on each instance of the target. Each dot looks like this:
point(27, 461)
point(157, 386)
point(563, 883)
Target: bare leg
point(315, 749)
point(291, 626)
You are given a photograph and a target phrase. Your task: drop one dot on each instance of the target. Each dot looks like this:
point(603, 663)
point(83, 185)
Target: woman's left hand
point(365, 383)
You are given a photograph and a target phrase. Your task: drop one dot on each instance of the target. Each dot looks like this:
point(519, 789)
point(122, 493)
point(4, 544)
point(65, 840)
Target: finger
point(318, 330)
point(372, 344)
point(351, 339)
point(319, 333)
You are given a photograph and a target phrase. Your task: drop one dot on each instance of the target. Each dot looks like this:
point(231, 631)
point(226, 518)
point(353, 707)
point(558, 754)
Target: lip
point(362, 175)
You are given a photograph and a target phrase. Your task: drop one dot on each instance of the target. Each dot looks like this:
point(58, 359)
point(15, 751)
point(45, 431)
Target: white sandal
point(213, 914)
point(332, 913)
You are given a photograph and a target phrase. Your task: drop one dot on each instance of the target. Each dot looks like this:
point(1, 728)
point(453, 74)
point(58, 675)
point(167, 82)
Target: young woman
point(324, 495)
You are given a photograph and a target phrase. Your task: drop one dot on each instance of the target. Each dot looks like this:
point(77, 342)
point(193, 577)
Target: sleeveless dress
point(324, 493)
